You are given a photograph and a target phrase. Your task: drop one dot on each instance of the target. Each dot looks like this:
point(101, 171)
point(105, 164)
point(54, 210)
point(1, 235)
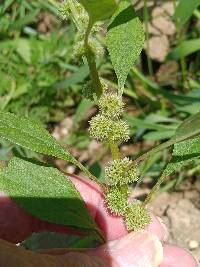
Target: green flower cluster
point(117, 199)
point(111, 105)
point(75, 10)
point(105, 129)
point(106, 126)
point(120, 172)
point(88, 90)
point(136, 217)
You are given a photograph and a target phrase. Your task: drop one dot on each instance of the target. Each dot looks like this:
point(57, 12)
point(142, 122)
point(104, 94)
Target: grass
point(41, 78)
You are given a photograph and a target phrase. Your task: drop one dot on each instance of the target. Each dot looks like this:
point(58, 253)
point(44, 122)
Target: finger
point(139, 249)
point(136, 249)
point(175, 256)
point(158, 228)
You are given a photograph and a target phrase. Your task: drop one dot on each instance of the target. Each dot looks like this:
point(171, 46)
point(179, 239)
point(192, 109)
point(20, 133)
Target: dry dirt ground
point(181, 212)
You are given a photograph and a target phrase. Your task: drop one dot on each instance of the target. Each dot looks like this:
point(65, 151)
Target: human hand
point(139, 249)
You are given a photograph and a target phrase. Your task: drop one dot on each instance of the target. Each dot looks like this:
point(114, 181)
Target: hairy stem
point(154, 190)
point(89, 174)
point(92, 64)
point(114, 150)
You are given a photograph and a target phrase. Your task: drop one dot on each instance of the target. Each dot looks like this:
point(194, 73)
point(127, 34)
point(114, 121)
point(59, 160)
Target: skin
point(144, 248)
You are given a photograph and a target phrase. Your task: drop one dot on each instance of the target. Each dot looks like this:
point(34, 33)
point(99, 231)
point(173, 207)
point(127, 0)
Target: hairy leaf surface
point(183, 154)
point(45, 193)
point(30, 134)
point(125, 40)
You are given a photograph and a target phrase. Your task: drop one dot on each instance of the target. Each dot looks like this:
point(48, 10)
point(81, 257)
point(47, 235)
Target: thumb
point(137, 249)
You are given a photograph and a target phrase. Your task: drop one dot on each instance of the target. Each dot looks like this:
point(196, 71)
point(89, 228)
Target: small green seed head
point(116, 199)
point(111, 105)
point(96, 47)
point(104, 85)
point(81, 14)
point(120, 132)
point(105, 129)
point(79, 49)
point(88, 91)
point(136, 217)
point(120, 172)
point(64, 11)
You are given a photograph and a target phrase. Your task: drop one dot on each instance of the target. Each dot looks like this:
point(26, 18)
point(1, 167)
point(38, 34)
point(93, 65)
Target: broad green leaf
point(184, 10)
point(99, 10)
point(184, 153)
point(185, 49)
point(125, 40)
point(45, 193)
point(29, 134)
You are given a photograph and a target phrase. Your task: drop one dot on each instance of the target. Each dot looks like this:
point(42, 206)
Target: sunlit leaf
point(125, 40)
point(45, 193)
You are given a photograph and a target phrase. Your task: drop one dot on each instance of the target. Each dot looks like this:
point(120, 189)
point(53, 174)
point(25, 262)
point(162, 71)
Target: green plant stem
point(146, 18)
point(89, 174)
point(114, 150)
point(92, 64)
point(154, 190)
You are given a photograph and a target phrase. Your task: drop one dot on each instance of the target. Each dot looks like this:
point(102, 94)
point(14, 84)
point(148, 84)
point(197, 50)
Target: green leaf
point(48, 240)
point(184, 10)
point(125, 40)
point(24, 50)
point(29, 134)
point(184, 49)
point(186, 151)
point(99, 10)
point(183, 154)
point(45, 193)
